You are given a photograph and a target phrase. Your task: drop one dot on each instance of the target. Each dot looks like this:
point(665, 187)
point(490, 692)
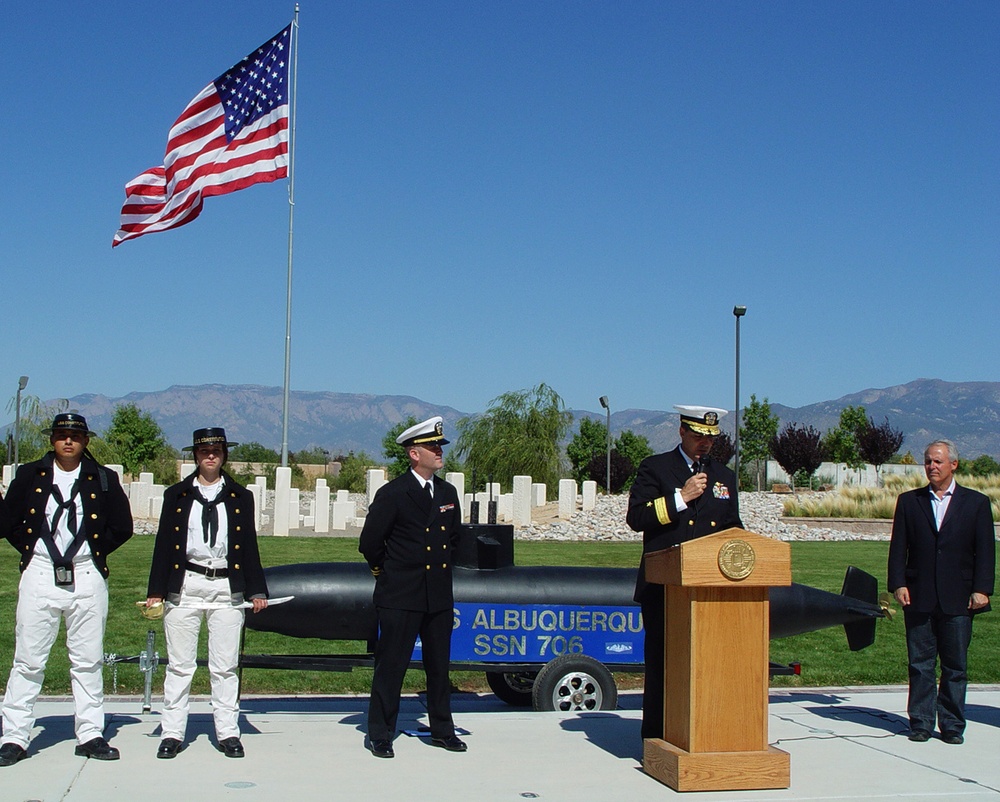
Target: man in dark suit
point(408, 538)
point(676, 496)
point(941, 571)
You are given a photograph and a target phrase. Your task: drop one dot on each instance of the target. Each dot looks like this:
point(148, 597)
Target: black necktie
point(429, 487)
point(209, 517)
point(695, 466)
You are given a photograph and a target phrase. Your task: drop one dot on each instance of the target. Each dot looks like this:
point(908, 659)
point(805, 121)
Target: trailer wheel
point(574, 682)
point(512, 687)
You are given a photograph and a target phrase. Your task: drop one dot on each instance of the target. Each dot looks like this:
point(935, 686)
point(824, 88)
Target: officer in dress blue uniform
point(676, 496)
point(67, 514)
point(408, 540)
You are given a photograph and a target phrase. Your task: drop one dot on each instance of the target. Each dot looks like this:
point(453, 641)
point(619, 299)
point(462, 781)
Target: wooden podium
point(716, 663)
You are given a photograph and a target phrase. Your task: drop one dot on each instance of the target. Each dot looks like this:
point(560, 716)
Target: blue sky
point(493, 195)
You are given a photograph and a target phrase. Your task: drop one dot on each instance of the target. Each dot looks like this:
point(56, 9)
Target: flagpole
point(291, 214)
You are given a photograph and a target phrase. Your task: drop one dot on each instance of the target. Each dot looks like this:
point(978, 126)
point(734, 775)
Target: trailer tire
point(574, 682)
point(512, 687)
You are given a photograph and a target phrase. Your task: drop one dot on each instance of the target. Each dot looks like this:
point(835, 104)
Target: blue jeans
point(930, 636)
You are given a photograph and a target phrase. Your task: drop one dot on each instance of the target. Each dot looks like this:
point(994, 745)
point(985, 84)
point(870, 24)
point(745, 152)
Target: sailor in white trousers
point(205, 564)
point(66, 514)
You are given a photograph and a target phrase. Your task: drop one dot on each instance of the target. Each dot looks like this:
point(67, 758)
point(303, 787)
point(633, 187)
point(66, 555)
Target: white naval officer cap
point(703, 420)
point(428, 431)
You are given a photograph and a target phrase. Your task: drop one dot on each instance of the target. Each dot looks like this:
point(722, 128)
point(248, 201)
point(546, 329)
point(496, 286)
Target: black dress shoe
point(169, 747)
point(920, 735)
point(952, 738)
point(11, 754)
point(98, 749)
point(231, 747)
point(452, 743)
point(382, 748)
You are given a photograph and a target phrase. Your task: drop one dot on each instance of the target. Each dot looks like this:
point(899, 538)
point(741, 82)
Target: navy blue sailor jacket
point(409, 540)
point(245, 573)
point(107, 517)
point(653, 511)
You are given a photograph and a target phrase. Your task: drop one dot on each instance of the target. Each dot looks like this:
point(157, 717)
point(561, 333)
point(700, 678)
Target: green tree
point(452, 464)
point(254, 452)
point(983, 465)
point(399, 463)
point(759, 427)
point(310, 456)
point(633, 447)
point(591, 440)
point(136, 440)
point(352, 472)
point(35, 416)
point(841, 444)
point(519, 434)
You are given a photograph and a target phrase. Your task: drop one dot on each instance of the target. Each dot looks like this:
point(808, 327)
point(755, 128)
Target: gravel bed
point(761, 513)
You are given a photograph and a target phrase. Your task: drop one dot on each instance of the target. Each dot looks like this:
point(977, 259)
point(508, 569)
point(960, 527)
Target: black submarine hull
point(333, 601)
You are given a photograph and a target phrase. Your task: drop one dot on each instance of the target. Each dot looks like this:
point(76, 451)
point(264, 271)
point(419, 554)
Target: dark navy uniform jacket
point(246, 576)
point(107, 517)
point(652, 508)
point(4, 519)
point(408, 540)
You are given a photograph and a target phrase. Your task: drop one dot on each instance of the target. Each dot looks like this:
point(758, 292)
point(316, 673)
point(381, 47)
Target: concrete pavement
point(845, 744)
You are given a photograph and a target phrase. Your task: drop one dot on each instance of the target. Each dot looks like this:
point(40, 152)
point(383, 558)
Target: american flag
point(232, 135)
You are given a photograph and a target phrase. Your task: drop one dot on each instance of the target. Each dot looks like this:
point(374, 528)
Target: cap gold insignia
point(736, 559)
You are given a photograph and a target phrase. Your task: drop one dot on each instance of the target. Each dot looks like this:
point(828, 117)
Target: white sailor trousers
point(40, 606)
point(181, 625)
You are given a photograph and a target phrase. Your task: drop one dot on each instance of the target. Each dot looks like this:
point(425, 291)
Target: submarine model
point(546, 636)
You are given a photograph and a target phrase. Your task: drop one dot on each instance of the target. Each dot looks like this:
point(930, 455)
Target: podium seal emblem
point(736, 559)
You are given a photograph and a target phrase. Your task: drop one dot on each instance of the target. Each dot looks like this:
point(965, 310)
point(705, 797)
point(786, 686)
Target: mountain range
point(925, 409)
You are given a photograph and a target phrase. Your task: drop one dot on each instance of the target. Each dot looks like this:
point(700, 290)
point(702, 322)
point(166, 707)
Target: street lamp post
point(21, 384)
point(607, 475)
point(738, 312)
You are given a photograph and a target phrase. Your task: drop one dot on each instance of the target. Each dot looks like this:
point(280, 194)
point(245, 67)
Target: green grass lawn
point(824, 655)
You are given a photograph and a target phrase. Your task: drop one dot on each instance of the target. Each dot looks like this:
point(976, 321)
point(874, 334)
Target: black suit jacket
point(652, 509)
point(107, 517)
point(166, 574)
point(942, 568)
point(408, 540)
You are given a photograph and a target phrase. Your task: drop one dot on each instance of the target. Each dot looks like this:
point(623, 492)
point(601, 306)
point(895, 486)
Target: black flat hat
point(214, 436)
point(71, 422)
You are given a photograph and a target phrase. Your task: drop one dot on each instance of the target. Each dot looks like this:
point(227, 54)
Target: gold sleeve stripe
point(662, 515)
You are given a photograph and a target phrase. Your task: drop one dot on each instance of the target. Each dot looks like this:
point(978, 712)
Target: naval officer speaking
point(676, 496)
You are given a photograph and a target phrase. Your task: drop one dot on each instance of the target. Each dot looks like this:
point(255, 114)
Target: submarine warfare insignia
point(736, 559)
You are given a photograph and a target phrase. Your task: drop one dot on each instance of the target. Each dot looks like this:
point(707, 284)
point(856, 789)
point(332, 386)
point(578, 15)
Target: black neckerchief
point(79, 535)
point(69, 506)
point(209, 514)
